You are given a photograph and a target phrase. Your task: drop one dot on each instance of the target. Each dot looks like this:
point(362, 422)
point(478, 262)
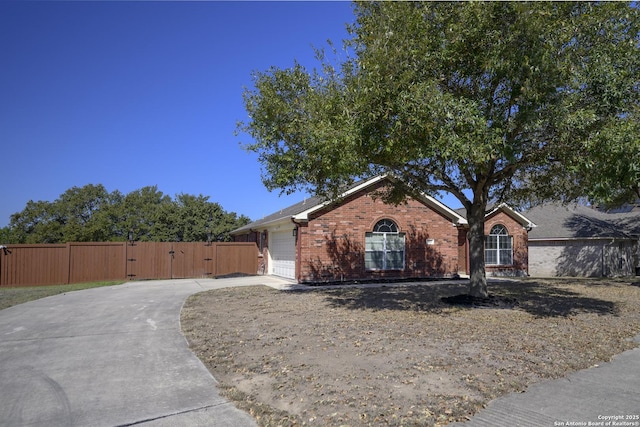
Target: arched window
point(384, 247)
point(498, 247)
point(385, 226)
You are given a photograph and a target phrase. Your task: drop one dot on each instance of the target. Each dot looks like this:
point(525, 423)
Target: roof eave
point(523, 220)
point(455, 217)
point(304, 215)
point(262, 225)
point(564, 239)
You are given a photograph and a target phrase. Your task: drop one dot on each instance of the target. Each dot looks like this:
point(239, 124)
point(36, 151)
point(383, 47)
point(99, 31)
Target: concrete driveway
point(110, 356)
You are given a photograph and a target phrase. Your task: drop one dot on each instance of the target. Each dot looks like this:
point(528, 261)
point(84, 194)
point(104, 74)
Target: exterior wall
point(520, 265)
point(582, 258)
point(332, 244)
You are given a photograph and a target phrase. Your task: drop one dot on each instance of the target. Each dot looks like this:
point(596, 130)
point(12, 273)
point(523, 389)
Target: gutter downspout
point(529, 227)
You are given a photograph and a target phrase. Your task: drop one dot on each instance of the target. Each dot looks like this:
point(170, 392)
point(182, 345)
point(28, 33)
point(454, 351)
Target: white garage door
point(283, 254)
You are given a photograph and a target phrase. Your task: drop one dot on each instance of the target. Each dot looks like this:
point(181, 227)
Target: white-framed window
point(384, 247)
point(498, 246)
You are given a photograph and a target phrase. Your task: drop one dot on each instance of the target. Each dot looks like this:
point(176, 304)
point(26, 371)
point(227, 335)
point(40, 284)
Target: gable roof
point(523, 220)
point(300, 211)
point(427, 200)
point(581, 222)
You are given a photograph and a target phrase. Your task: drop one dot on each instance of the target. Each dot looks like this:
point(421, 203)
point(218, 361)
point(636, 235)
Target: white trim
point(385, 251)
point(444, 209)
point(275, 225)
point(304, 215)
point(497, 249)
point(526, 222)
point(435, 204)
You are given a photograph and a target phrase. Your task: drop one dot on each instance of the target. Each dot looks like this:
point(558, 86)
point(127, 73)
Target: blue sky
point(131, 94)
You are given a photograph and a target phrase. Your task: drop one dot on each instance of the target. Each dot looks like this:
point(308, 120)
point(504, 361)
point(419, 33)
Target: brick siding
point(520, 243)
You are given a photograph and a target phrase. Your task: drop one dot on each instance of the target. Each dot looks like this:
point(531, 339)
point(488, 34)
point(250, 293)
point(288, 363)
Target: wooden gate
point(189, 260)
point(147, 260)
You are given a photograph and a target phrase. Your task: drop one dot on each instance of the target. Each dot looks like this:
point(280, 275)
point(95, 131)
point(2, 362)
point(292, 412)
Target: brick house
point(362, 237)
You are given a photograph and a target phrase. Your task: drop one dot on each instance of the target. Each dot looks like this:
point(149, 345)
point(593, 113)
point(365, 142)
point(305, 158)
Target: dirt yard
point(400, 355)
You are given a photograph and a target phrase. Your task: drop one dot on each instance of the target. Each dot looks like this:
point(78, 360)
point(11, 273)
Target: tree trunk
point(478, 282)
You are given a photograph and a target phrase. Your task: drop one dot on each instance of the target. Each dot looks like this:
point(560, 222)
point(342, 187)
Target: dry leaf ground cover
point(400, 355)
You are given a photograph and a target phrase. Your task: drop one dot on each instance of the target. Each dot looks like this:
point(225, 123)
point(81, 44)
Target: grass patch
point(19, 295)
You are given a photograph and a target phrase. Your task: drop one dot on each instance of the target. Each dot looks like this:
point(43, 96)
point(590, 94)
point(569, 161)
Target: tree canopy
point(92, 214)
point(491, 102)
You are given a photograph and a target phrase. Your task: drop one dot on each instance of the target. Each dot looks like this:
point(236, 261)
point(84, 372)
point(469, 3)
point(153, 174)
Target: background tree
point(6, 236)
point(90, 213)
point(38, 222)
point(195, 219)
point(77, 210)
point(73, 217)
point(490, 102)
point(140, 211)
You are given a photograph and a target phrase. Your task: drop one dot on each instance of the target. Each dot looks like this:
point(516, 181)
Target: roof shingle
point(578, 221)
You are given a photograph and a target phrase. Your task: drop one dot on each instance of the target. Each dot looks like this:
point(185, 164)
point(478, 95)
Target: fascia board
point(445, 210)
point(275, 224)
point(526, 222)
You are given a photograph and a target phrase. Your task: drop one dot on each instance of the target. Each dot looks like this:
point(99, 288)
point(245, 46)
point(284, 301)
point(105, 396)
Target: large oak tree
point(490, 102)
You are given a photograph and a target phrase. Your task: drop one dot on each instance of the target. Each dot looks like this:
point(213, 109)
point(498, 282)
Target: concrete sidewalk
point(606, 395)
point(111, 356)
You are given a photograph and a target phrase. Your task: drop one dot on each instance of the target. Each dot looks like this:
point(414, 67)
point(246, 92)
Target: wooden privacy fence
point(52, 264)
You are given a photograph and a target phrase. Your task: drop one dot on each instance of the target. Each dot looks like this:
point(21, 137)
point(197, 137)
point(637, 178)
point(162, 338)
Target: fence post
point(68, 260)
point(126, 261)
point(214, 263)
